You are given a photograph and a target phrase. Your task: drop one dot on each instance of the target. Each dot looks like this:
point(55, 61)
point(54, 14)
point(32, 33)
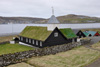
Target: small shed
point(16, 39)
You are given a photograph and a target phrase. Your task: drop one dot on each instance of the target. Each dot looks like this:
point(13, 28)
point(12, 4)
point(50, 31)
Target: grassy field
point(6, 38)
point(97, 29)
point(96, 46)
point(76, 57)
point(12, 48)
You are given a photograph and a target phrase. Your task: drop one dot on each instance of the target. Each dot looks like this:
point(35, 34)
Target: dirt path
point(94, 64)
point(20, 65)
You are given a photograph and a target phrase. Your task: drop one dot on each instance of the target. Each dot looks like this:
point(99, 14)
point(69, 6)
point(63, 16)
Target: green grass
point(96, 46)
point(77, 57)
point(95, 29)
point(12, 48)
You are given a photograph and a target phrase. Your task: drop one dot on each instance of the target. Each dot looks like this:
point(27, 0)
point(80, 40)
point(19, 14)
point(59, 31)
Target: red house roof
point(97, 34)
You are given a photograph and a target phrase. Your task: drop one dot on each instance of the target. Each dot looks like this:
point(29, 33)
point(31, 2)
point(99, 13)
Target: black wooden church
point(47, 36)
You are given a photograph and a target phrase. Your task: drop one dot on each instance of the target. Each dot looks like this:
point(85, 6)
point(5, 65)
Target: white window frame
point(56, 34)
point(26, 39)
point(73, 40)
point(33, 42)
point(29, 40)
point(41, 44)
point(21, 38)
point(36, 42)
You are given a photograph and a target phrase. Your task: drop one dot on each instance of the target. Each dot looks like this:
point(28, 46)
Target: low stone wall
point(8, 59)
point(4, 42)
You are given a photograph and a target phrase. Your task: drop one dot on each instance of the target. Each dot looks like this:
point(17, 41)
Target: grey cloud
point(42, 8)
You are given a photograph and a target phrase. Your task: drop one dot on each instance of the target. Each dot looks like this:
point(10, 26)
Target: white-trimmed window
point(41, 44)
point(29, 40)
point(73, 40)
point(26, 39)
point(36, 42)
point(21, 38)
point(56, 34)
point(33, 41)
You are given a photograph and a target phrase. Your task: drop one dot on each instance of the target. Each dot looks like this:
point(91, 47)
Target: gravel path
point(94, 64)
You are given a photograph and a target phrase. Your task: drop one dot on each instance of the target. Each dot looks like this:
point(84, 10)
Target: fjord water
point(9, 29)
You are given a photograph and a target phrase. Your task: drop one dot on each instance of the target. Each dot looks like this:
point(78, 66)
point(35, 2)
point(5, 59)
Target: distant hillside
point(71, 18)
point(6, 20)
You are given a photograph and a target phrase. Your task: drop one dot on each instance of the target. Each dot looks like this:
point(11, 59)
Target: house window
point(81, 36)
point(29, 40)
point(72, 40)
point(55, 34)
point(26, 39)
point(21, 38)
point(33, 41)
point(80, 33)
point(41, 44)
point(36, 42)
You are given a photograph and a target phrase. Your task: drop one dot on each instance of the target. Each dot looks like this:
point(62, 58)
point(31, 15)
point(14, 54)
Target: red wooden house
point(97, 34)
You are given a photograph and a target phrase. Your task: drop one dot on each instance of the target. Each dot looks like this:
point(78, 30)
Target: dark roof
point(41, 33)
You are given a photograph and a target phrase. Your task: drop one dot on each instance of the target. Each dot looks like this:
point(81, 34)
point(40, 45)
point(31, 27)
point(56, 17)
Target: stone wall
point(8, 59)
point(4, 42)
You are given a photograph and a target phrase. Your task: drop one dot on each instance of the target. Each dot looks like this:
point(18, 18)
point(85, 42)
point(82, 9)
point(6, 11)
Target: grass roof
point(68, 33)
point(41, 33)
point(34, 32)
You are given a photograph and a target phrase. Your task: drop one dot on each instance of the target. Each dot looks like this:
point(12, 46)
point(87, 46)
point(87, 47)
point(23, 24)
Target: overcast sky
point(42, 8)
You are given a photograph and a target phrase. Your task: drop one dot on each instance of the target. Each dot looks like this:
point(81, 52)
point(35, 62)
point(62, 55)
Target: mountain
point(71, 18)
point(20, 20)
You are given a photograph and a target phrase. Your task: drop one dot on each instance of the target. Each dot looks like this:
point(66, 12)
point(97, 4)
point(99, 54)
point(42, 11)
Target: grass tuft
point(12, 48)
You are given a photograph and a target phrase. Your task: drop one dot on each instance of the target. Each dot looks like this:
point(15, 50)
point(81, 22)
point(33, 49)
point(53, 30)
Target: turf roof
point(41, 33)
point(34, 32)
point(68, 33)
